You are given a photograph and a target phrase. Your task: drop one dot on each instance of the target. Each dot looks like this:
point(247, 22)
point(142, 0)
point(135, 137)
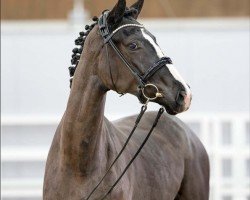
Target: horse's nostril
point(181, 97)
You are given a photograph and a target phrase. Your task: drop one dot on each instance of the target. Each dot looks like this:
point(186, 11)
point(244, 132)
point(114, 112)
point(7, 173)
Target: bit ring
point(157, 94)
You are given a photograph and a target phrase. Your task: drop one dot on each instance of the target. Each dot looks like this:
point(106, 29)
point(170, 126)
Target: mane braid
point(78, 50)
point(81, 39)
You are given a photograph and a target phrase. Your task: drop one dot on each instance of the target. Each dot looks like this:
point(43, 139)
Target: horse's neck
point(83, 136)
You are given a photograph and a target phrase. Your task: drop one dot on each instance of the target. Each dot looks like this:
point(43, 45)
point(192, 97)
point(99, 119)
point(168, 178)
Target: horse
point(118, 53)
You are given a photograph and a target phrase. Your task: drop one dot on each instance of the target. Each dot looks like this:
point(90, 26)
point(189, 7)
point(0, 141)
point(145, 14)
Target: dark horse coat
point(173, 165)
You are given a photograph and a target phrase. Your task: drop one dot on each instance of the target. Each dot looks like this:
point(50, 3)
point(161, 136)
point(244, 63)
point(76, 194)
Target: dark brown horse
point(173, 165)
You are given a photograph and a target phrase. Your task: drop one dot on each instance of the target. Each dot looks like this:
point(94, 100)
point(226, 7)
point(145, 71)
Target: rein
point(143, 110)
point(160, 112)
point(142, 81)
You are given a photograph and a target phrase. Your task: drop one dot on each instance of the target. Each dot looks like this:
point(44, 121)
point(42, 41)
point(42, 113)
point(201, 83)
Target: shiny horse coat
point(173, 165)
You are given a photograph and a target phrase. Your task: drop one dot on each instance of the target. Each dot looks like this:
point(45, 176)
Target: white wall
point(212, 55)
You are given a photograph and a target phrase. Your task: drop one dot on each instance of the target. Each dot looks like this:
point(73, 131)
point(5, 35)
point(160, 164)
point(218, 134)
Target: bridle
point(142, 85)
point(142, 80)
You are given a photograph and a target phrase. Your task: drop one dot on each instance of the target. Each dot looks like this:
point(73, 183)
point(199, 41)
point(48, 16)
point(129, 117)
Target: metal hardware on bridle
point(107, 36)
point(157, 93)
point(142, 85)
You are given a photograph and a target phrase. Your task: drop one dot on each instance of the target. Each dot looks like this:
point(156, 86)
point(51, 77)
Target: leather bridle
point(141, 79)
point(142, 85)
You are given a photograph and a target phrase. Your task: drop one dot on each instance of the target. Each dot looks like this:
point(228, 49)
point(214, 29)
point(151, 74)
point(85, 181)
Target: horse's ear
point(116, 14)
point(138, 6)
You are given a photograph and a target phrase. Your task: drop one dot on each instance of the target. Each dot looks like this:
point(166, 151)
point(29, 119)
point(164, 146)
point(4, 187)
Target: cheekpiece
point(107, 37)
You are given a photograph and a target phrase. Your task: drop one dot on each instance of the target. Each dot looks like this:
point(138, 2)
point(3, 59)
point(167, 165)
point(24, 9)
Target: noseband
point(141, 79)
point(142, 85)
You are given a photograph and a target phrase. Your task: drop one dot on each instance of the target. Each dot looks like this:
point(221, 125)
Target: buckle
point(104, 32)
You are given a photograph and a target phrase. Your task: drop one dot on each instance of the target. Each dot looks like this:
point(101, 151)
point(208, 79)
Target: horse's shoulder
point(175, 132)
point(183, 133)
point(170, 127)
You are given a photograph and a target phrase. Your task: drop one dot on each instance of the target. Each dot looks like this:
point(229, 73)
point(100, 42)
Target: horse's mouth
point(172, 108)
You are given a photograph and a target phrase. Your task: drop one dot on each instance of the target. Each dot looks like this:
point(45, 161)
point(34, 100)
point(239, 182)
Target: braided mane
point(78, 50)
point(81, 39)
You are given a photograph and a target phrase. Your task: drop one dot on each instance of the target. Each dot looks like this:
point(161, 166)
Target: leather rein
point(142, 84)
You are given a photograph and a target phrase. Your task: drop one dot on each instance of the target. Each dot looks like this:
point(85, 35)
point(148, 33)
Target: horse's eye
point(133, 46)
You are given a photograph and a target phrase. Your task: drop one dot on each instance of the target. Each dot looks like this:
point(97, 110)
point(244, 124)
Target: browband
point(107, 36)
point(103, 26)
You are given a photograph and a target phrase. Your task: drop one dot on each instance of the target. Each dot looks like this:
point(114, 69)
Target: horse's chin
point(167, 107)
point(170, 110)
point(174, 111)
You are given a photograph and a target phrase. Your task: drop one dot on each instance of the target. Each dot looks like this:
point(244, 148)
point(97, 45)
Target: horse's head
point(131, 59)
